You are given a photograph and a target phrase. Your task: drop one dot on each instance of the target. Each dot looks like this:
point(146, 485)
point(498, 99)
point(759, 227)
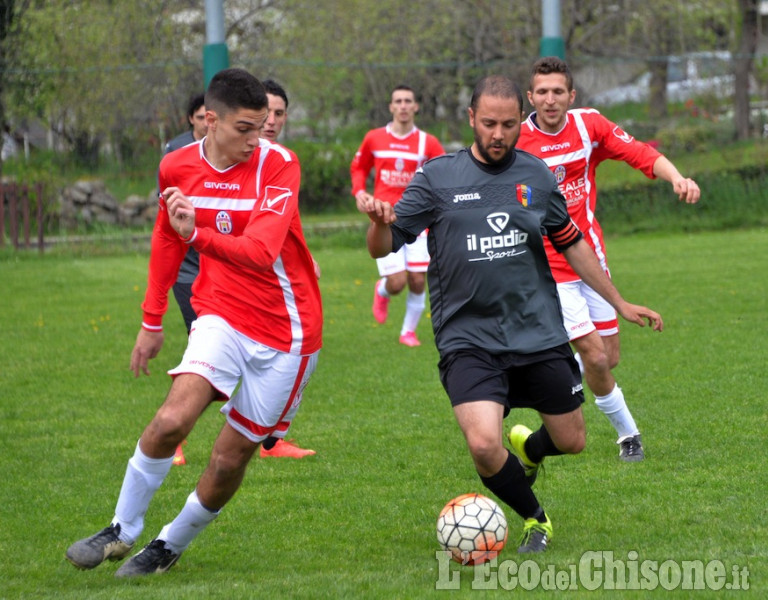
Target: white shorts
point(410, 257)
point(584, 311)
point(271, 382)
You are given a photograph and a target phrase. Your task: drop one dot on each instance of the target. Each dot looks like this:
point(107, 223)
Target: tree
point(104, 73)
point(743, 65)
point(10, 12)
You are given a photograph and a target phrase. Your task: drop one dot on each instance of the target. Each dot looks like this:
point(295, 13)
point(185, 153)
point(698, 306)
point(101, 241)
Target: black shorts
point(548, 381)
point(183, 294)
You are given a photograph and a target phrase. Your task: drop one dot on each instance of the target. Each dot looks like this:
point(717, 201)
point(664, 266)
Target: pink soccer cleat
point(409, 339)
point(380, 305)
point(285, 449)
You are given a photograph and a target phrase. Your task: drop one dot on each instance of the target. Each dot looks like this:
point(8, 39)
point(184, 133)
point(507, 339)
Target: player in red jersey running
point(258, 332)
point(573, 143)
point(396, 151)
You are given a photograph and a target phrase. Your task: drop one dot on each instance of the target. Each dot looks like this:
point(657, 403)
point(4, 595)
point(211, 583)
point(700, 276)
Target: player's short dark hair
point(496, 85)
point(551, 64)
point(275, 89)
point(233, 89)
point(404, 88)
point(195, 102)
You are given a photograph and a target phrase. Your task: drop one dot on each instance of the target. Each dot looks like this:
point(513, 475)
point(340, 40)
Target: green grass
point(357, 520)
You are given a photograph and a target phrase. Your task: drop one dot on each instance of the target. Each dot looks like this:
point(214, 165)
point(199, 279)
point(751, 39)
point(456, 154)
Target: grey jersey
point(490, 285)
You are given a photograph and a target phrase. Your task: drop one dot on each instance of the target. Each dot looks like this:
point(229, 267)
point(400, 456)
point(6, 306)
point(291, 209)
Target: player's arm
point(166, 255)
point(361, 166)
point(686, 188)
point(379, 236)
point(619, 145)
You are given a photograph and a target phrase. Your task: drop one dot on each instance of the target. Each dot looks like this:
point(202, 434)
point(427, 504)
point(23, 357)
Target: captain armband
point(564, 238)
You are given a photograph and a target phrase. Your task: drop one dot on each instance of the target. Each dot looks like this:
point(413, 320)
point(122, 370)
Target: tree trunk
point(657, 94)
point(743, 63)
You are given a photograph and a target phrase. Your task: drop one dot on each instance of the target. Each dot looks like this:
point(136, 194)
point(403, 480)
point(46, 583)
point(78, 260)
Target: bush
point(730, 199)
point(325, 180)
point(680, 139)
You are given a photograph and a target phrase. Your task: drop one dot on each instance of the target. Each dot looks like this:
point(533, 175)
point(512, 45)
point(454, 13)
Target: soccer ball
point(472, 528)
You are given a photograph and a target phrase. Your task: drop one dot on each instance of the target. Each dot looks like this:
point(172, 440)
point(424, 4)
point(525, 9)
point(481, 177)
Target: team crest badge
point(275, 199)
point(560, 173)
point(524, 194)
point(622, 135)
point(399, 164)
point(224, 222)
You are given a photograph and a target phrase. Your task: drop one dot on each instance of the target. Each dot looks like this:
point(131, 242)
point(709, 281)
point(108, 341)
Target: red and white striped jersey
point(256, 271)
point(395, 159)
point(573, 154)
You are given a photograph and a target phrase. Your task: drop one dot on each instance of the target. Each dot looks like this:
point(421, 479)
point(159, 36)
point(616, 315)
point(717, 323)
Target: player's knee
point(167, 428)
point(596, 362)
point(484, 452)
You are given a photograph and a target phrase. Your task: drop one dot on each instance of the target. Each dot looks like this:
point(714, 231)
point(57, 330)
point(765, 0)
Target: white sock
point(191, 521)
point(142, 478)
point(414, 307)
point(577, 356)
point(381, 289)
point(615, 408)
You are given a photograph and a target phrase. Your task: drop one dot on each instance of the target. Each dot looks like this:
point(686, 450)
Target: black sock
point(269, 443)
point(539, 444)
point(511, 486)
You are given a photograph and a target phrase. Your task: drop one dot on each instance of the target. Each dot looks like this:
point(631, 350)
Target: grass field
point(357, 520)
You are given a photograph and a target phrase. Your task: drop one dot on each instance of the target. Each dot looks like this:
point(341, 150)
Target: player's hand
point(181, 212)
point(635, 313)
point(148, 344)
point(361, 200)
point(687, 190)
point(316, 266)
point(380, 212)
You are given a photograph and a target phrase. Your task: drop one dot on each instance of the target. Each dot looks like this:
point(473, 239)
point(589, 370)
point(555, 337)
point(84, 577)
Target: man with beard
point(495, 309)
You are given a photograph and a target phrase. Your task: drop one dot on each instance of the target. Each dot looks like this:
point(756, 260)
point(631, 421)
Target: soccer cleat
point(284, 448)
point(631, 449)
point(536, 536)
point(92, 551)
point(517, 437)
point(409, 339)
point(178, 457)
point(380, 305)
point(154, 558)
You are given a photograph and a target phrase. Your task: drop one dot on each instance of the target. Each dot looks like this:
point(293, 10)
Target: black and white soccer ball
point(472, 528)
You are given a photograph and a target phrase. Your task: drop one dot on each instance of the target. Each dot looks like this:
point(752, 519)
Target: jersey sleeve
point(434, 147)
point(262, 240)
point(166, 254)
point(415, 211)
point(617, 144)
point(361, 165)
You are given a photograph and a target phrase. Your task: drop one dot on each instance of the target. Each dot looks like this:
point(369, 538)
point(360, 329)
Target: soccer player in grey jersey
point(495, 309)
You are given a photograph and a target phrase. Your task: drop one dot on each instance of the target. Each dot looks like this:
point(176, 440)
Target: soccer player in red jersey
point(396, 151)
point(573, 143)
point(258, 333)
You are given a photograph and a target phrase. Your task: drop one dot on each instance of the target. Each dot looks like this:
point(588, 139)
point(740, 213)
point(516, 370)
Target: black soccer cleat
point(154, 558)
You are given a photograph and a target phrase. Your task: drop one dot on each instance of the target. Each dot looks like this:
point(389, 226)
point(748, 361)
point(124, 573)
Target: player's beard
point(486, 156)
